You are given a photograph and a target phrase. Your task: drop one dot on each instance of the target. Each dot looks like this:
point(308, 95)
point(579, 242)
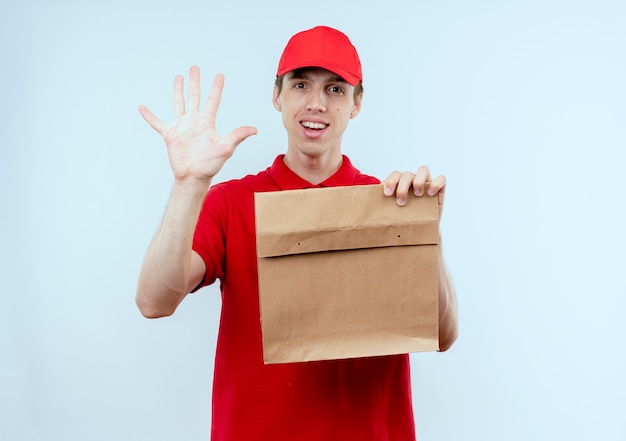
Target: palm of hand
point(195, 149)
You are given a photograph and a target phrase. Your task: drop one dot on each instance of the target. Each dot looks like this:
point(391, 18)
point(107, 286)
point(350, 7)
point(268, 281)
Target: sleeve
point(209, 236)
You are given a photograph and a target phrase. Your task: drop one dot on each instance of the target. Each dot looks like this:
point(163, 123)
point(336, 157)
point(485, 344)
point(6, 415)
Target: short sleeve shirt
point(357, 399)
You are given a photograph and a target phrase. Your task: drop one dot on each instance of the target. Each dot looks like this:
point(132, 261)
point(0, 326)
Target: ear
point(276, 99)
point(357, 106)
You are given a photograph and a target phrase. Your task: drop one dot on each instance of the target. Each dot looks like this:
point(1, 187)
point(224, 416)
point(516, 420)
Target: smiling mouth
point(313, 125)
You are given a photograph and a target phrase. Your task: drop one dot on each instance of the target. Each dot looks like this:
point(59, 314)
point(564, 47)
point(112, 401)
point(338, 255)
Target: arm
point(398, 184)
point(170, 268)
point(196, 154)
point(448, 312)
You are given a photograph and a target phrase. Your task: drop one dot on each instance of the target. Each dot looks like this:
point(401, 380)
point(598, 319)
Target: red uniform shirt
point(356, 399)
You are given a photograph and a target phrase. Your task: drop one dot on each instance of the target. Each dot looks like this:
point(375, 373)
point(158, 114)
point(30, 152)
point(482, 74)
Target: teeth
point(313, 125)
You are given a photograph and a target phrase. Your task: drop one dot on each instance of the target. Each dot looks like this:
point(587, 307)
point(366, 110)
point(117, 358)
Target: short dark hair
point(358, 89)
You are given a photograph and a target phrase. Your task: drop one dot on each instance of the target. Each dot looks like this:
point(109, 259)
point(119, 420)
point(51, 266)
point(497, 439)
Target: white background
point(522, 104)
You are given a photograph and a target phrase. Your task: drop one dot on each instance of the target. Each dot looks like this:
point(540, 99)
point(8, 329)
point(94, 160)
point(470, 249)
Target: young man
point(205, 236)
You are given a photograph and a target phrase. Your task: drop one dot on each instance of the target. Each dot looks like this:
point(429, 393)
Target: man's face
point(316, 106)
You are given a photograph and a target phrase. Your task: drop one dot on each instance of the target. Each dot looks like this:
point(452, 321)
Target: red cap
point(322, 47)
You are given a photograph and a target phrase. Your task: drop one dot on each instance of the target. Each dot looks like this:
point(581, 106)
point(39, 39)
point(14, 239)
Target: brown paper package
point(345, 272)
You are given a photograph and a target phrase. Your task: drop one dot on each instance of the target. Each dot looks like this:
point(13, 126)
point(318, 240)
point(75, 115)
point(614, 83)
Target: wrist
point(191, 188)
point(192, 183)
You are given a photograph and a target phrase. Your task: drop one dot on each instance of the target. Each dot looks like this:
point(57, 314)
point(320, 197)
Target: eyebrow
point(301, 74)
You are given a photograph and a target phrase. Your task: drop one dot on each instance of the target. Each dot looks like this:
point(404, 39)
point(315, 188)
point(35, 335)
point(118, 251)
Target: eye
point(299, 85)
point(335, 90)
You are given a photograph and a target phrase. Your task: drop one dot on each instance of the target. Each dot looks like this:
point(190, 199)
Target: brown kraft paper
point(345, 272)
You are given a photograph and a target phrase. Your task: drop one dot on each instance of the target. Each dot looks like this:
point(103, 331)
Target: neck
point(314, 169)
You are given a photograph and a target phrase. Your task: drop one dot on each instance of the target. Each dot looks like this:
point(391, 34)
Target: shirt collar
point(286, 179)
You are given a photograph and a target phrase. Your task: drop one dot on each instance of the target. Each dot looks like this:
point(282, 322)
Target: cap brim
point(349, 78)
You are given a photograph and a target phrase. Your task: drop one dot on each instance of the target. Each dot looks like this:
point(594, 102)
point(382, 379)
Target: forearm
point(448, 312)
point(166, 274)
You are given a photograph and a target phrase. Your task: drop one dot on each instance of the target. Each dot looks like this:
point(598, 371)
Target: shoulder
point(359, 178)
point(239, 192)
point(249, 184)
point(363, 179)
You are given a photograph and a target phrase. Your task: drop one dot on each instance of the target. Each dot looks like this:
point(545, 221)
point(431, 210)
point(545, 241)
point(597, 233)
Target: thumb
point(238, 135)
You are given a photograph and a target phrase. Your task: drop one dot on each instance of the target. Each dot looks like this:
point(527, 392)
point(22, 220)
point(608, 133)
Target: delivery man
point(208, 233)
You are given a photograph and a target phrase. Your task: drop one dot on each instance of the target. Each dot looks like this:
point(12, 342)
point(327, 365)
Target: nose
point(317, 102)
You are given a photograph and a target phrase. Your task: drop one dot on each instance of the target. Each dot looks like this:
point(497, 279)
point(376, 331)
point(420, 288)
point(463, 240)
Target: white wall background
point(521, 104)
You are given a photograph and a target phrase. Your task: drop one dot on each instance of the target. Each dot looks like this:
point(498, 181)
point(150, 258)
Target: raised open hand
point(196, 151)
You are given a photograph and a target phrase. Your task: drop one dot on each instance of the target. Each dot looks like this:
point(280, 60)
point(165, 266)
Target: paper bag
point(345, 272)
